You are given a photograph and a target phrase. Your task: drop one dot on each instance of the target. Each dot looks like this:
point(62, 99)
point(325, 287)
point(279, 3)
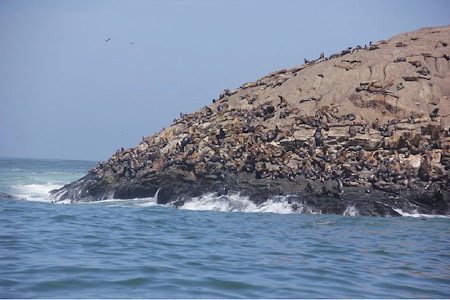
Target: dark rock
point(6, 196)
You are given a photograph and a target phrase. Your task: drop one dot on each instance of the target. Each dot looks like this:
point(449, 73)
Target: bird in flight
point(131, 43)
point(107, 40)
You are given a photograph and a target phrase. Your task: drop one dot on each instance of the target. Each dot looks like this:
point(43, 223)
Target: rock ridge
point(367, 127)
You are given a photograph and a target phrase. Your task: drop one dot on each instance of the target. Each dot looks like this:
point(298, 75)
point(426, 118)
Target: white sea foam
point(351, 211)
point(209, 202)
point(65, 201)
point(237, 203)
point(34, 191)
point(150, 201)
point(415, 214)
point(212, 202)
point(206, 202)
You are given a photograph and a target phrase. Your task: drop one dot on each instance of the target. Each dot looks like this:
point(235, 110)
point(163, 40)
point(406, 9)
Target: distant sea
point(210, 248)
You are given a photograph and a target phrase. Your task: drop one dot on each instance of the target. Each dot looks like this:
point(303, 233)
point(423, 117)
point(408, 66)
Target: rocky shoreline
point(367, 127)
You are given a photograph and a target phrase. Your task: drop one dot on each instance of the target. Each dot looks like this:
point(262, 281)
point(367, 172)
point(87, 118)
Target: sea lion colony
point(374, 117)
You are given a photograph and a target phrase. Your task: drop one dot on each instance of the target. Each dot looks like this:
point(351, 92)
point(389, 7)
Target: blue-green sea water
point(135, 248)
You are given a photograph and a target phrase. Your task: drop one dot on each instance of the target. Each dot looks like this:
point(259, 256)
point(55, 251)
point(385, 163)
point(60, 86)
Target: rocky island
point(367, 128)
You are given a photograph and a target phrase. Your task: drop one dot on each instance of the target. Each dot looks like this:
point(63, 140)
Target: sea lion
point(283, 103)
point(248, 129)
point(318, 137)
point(434, 113)
point(423, 71)
point(184, 142)
point(284, 113)
point(268, 109)
point(335, 55)
point(375, 124)
point(222, 107)
point(415, 63)
point(227, 92)
point(251, 100)
point(352, 131)
point(308, 120)
point(271, 135)
point(221, 134)
point(351, 117)
point(400, 59)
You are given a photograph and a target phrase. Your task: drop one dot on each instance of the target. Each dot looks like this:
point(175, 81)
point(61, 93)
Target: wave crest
point(205, 202)
point(34, 191)
point(234, 203)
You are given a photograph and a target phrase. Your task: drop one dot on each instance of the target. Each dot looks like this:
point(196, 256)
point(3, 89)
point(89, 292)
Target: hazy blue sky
point(67, 93)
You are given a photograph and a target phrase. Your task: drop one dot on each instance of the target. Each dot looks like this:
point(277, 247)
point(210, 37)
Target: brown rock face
point(372, 117)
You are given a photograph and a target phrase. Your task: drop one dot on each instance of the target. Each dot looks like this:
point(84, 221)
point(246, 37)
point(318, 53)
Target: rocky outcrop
point(367, 127)
point(6, 196)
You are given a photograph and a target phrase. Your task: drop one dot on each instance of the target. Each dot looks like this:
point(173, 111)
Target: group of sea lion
point(234, 141)
point(360, 120)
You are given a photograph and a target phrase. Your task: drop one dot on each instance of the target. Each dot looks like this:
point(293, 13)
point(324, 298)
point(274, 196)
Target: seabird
point(107, 39)
point(131, 43)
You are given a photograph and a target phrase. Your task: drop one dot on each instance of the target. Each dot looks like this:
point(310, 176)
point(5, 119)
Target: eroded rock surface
point(367, 127)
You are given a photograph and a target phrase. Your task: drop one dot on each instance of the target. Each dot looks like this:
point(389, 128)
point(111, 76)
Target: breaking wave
point(143, 202)
point(237, 203)
point(33, 180)
point(206, 202)
point(34, 191)
point(415, 214)
point(351, 211)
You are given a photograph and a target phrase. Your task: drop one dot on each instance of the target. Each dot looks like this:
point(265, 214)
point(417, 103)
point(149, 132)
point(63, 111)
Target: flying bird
point(131, 43)
point(107, 39)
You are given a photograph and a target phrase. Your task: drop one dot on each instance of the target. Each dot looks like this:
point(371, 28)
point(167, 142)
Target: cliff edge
point(367, 127)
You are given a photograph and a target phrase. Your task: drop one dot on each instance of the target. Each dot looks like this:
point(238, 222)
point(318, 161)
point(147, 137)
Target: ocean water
point(210, 248)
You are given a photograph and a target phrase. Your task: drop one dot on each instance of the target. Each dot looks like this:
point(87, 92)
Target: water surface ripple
point(115, 251)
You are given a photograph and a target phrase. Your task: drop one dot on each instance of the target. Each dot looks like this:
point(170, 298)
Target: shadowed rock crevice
point(366, 128)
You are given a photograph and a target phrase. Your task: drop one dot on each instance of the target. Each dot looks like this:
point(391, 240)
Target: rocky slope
point(366, 127)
